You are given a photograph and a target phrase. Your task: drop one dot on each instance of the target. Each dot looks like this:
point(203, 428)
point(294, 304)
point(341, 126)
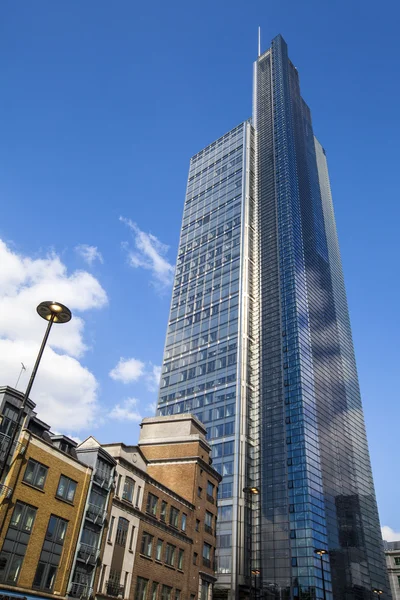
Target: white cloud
point(389, 534)
point(65, 391)
point(153, 378)
point(149, 254)
point(126, 411)
point(127, 370)
point(89, 253)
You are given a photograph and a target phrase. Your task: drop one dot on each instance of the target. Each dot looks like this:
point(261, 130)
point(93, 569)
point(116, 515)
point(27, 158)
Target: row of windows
point(143, 588)
point(170, 554)
point(174, 514)
point(16, 542)
point(36, 474)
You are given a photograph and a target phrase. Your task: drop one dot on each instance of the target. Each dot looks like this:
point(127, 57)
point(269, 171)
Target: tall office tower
point(259, 348)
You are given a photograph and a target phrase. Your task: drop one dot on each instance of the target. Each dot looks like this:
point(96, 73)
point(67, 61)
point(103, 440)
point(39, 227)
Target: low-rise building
point(178, 539)
point(96, 514)
point(44, 498)
point(119, 546)
point(392, 553)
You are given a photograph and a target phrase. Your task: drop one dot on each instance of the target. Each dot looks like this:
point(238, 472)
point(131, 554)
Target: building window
point(177, 594)
point(154, 590)
point(129, 488)
point(166, 592)
point(397, 560)
point(398, 579)
point(151, 506)
point(199, 491)
point(141, 588)
point(197, 525)
point(163, 511)
point(16, 542)
point(205, 590)
point(183, 522)
point(147, 544)
point(35, 474)
point(208, 521)
point(111, 528)
point(210, 491)
point(181, 554)
point(138, 496)
point(132, 538)
point(173, 517)
point(195, 556)
point(207, 549)
point(159, 549)
point(224, 564)
point(170, 554)
point(225, 513)
point(51, 554)
point(66, 489)
point(224, 540)
point(122, 532)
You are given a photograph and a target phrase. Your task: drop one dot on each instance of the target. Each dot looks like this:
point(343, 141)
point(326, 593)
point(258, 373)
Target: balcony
point(5, 492)
point(114, 589)
point(80, 590)
point(88, 554)
point(207, 562)
point(210, 499)
point(4, 444)
point(96, 514)
point(208, 529)
point(103, 478)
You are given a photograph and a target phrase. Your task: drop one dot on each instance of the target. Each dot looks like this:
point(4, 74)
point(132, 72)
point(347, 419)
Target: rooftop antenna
point(23, 368)
point(259, 41)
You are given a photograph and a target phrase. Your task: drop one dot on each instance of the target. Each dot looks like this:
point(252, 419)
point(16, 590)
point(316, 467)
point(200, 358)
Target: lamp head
point(59, 312)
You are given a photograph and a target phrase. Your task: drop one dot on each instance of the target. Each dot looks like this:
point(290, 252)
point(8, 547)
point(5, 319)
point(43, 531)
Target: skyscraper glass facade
point(259, 347)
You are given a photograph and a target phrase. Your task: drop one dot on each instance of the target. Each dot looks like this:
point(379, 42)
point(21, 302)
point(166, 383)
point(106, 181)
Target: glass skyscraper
point(259, 348)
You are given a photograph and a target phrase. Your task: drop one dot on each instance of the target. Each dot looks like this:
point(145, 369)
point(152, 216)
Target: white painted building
point(120, 546)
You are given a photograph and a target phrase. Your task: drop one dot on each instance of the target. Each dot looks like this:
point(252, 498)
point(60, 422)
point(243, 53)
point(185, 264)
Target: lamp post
point(53, 312)
point(320, 552)
point(377, 592)
point(250, 492)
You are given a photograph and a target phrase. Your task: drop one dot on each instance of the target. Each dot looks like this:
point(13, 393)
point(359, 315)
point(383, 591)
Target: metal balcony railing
point(208, 529)
point(96, 514)
point(207, 562)
point(4, 444)
point(103, 478)
point(88, 554)
point(114, 589)
point(5, 492)
point(80, 590)
point(210, 499)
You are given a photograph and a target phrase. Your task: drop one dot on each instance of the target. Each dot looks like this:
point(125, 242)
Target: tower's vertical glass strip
point(259, 347)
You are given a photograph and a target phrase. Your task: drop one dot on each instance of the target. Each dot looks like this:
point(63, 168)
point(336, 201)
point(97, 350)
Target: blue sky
point(102, 106)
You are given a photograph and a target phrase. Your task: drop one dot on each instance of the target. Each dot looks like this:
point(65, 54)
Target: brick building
point(177, 534)
point(43, 500)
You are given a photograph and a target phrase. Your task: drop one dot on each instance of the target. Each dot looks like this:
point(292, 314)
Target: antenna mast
point(259, 41)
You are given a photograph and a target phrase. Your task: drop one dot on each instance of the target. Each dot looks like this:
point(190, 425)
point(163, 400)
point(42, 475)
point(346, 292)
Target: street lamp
point(252, 491)
point(377, 591)
point(320, 552)
point(53, 312)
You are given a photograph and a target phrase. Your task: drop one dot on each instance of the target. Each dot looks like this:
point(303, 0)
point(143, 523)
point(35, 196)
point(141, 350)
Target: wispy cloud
point(89, 253)
point(127, 370)
point(153, 378)
point(389, 534)
point(150, 254)
point(126, 411)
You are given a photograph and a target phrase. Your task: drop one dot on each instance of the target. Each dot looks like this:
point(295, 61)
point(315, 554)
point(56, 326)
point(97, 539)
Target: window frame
point(64, 497)
point(35, 473)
